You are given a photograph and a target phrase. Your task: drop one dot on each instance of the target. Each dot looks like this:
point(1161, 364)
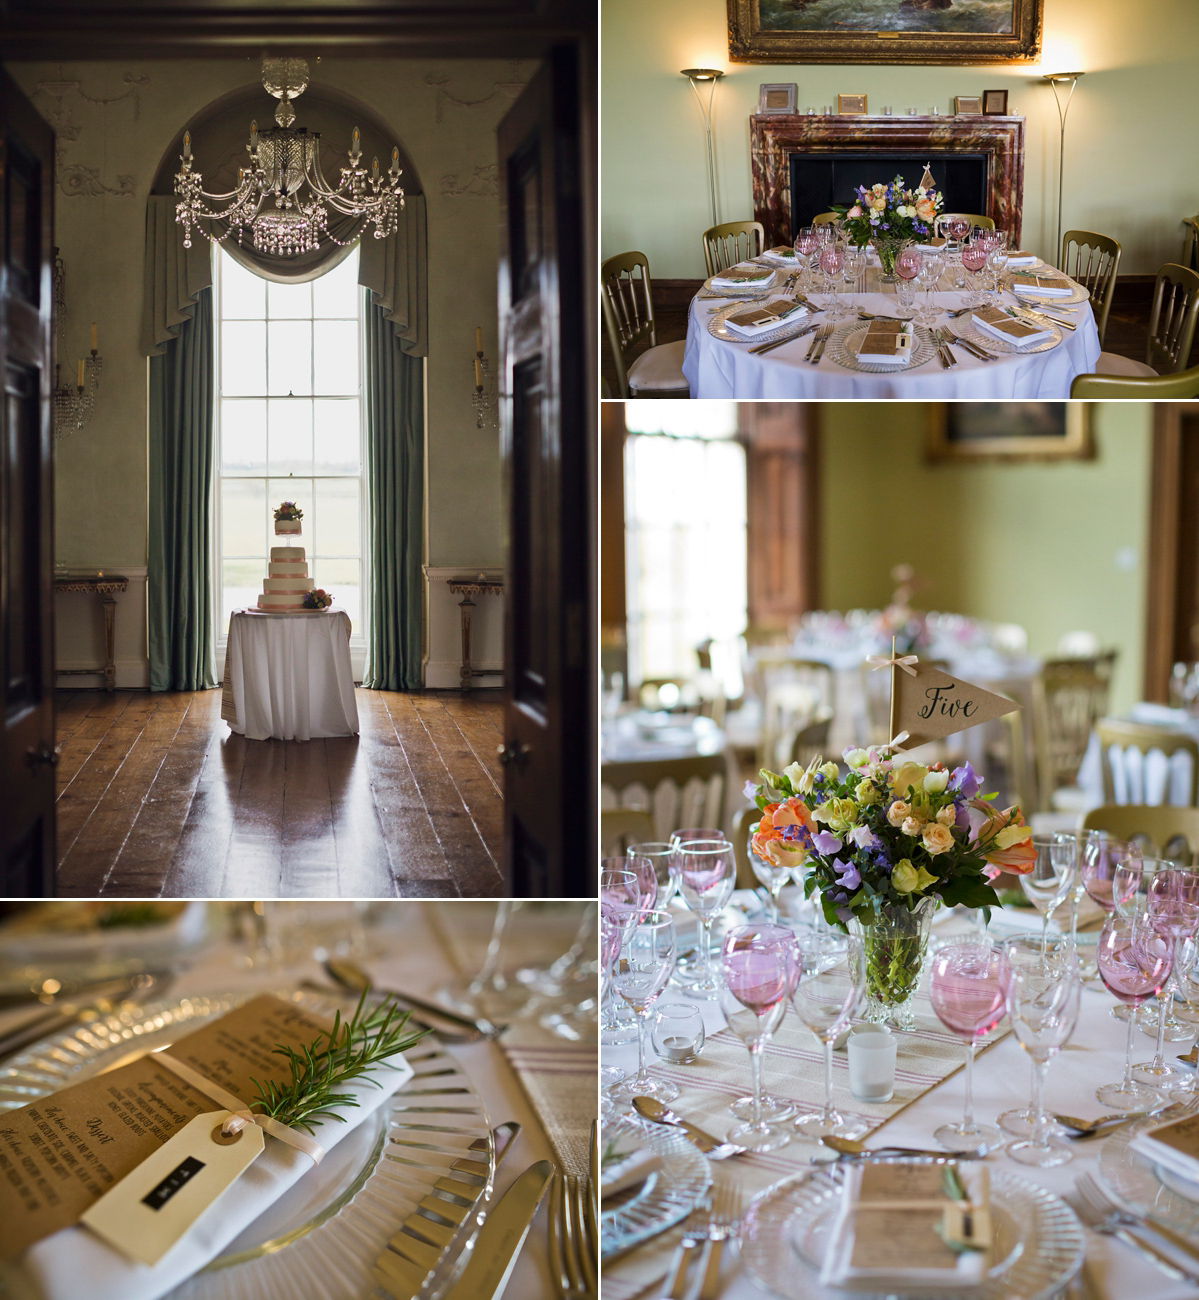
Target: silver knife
point(351, 976)
point(503, 1234)
point(100, 1000)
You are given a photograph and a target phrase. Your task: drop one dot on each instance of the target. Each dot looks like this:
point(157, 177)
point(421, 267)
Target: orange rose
point(926, 209)
point(768, 842)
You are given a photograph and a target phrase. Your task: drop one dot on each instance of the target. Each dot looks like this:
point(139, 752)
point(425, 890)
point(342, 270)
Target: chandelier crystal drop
point(282, 198)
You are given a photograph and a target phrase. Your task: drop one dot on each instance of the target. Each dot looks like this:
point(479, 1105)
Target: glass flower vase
point(888, 249)
point(894, 947)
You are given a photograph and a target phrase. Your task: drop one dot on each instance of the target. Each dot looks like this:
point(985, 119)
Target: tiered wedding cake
point(287, 582)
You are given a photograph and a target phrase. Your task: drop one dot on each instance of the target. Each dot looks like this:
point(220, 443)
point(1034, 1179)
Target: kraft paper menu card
point(1175, 1146)
point(754, 320)
point(744, 273)
point(996, 322)
point(1054, 286)
point(60, 1154)
point(887, 342)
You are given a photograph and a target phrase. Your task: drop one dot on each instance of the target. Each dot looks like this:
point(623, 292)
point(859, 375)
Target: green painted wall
point(1132, 160)
point(1056, 547)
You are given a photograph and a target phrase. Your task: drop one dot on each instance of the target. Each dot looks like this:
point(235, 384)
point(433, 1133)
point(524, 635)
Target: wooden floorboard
point(158, 798)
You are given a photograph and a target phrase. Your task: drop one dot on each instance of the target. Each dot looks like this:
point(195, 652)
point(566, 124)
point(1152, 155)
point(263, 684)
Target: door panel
point(27, 754)
point(548, 442)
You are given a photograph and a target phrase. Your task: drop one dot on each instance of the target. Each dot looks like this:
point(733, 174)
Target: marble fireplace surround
point(775, 137)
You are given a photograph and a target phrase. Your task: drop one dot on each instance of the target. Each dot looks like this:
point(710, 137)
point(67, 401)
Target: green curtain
point(395, 455)
point(181, 470)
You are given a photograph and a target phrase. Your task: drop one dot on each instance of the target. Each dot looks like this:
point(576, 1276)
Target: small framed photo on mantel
point(995, 103)
point(852, 105)
point(777, 97)
point(1009, 431)
point(967, 105)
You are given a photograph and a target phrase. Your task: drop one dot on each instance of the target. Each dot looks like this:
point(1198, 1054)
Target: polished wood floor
point(156, 797)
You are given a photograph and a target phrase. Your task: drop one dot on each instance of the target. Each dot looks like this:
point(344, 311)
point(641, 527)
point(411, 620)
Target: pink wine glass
point(1172, 907)
point(707, 873)
point(974, 258)
point(807, 245)
point(644, 874)
point(967, 993)
point(1134, 971)
point(772, 1107)
point(832, 259)
point(907, 268)
point(620, 902)
point(1111, 871)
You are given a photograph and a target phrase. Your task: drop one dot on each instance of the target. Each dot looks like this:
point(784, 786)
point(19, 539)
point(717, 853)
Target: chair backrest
point(743, 819)
point(825, 218)
point(723, 244)
point(1169, 832)
point(1093, 260)
point(1172, 321)
point(811, 740)
point(626, 295)
point(1129, 773)
point(1069, 697)
point(1165, 388)
point(975, 218)
point(1190, 245)
point(1078, 645)
point(794, 693)
point(688, 791)
point(620, 827)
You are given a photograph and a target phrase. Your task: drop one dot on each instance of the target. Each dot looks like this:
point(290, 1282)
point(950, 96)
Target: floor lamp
point(711, 76)
point(1055, 79)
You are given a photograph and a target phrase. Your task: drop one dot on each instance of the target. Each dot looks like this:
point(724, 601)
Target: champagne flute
point(642, 972)
point(1043, 1004)
point(1172, 911)
point(907, 268)
point(1133, 971)
point(1051, 879)
point(758, 965)
point(829, 983)
point(620, 901)
point(967, 995)
point(707, 872)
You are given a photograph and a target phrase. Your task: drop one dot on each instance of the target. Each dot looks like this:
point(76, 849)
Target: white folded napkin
point(763, 317)
point(625, 1169)
point(1042, 287)
point(54, 1266)
point(745, 275)
point(782, 256)
point(1174, 1146)
point(886, 1235)
point(1021, 258)
point(937, 246)
point(1021, 334)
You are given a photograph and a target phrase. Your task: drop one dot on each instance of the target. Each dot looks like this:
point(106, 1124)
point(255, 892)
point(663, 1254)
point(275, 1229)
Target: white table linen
point(720, 369)
point(1001, 1082)
point(290, 676)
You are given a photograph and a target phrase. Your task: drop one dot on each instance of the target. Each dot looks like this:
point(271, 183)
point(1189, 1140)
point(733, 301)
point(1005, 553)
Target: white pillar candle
point(872, 1051)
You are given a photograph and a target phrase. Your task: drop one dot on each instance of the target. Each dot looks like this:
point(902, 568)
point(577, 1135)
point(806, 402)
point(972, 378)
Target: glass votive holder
point(911, 112)
point(886, 110)
point(811, 111)
point(871, 1050)
point(678, 1033)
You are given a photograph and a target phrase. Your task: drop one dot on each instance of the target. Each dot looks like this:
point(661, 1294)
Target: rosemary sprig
point(352, 1049)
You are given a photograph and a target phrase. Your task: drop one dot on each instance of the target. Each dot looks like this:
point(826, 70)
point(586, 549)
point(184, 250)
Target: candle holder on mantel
point(483, 398)
point(73, 403)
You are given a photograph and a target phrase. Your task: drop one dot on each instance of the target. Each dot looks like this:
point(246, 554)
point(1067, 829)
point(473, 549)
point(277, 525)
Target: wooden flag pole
point(891, 733)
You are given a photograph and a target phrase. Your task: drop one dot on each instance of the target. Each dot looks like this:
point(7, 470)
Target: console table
point(466, 589)
point(107, 586)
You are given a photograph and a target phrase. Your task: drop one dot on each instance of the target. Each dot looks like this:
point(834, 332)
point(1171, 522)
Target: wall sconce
point(1055, 79)
point(710, 76)
point(73, 403)
point(483, 398)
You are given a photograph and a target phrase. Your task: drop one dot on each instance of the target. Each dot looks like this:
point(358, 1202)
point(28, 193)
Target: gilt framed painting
point(972, 431)
point(961, 32)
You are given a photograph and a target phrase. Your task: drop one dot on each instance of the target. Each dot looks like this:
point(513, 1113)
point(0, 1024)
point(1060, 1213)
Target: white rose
point(935, 782)
point(911, 826)
point(899, 812)
point(948, 816)
point(937, 839)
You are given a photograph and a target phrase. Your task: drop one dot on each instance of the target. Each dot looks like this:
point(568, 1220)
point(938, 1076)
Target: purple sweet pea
point(863, 837)
point(964, 781)
point(750, 791)
point(848, 876)
point(826, 843)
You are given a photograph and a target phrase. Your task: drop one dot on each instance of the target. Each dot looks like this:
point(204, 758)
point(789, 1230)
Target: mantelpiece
point(774, 139)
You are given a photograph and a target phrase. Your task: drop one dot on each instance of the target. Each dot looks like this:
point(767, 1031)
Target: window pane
point(298, 490)
point(337, 516)
point(335, 356)
point(289, 300)
point(342, 580)
point(336, 294)
point(290, 357)
point(290, 423)
point(336, 436)
point(243, 294)
point(241, 583)
point(243, 358)
point(243, 517)
point(243, 436)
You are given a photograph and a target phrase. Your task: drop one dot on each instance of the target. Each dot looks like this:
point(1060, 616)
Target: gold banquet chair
point(722, 244)
point(825, 218)
point(975, 219)
point(1171, 328)
point(1070, 695)
point(1161, 388)
point(1116, 734)
point(620, 827)
point(1190, 246)
point(688, 791)
point(628, 302)
point(1093, 260)
point(1167, 832)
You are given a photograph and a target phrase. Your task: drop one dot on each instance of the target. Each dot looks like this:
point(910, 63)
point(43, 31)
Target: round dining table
point(722, 368)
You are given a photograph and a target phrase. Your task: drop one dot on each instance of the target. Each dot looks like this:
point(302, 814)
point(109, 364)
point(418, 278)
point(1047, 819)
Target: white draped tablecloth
point(288, 676)
point(1002, 1080)
point(716, 368)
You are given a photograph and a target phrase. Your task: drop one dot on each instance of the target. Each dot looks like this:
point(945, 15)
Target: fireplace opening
point(818, 181)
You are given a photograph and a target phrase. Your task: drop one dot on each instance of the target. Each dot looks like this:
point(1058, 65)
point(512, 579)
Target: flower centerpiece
point(883, 845)
point(890, 215)
point(288, 510)
point(319, 598)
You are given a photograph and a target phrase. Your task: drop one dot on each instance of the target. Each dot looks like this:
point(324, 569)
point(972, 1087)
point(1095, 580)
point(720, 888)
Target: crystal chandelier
point(282, 196)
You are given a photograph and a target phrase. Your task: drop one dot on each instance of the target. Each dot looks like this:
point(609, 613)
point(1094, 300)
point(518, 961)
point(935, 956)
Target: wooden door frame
point(1165, 519)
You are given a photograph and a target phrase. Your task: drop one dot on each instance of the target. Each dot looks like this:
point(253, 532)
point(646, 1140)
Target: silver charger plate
point(1045, 1240)
point(847, 338)
point(679, 1186)
point(1136, 1183)
point(998, 346)
point(320, 1239)
point(718, 329)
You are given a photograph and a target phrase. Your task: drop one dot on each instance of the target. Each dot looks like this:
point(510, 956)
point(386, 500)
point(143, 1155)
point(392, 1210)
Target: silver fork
point(695, 1233)
point(822, 338)
point(1100, 1212)
point(725, 1225)
point(572, 1233)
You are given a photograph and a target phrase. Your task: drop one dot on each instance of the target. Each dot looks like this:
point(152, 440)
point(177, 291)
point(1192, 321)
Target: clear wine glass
point(707, 873)
point(772, 876)
point(930, 274)
point(974, 258)
point(1072, 844)
point(1133, 971)
point(1048, 884)
point(1173, 913)
point(832, 260)
point(829, 984)
point(1186, 977)
point(620, 902)
point(643, 873)
point(851, 273)
point(758, 963)
point(610, 941)
point(967, 994)
point(688, 968)
point(642, 972)
point(807, 246)
point(907, 268)
point(956, 228)
point(661, 854)
point(1042, 1002)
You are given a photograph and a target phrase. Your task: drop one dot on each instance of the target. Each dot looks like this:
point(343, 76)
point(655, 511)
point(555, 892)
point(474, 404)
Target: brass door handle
point(513, 754)
point(43, 755)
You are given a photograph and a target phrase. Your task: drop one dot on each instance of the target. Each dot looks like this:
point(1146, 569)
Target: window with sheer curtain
point(685, 511)
point(289, 427)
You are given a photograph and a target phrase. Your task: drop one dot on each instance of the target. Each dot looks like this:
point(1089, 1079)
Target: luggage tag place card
point(156, 1203)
